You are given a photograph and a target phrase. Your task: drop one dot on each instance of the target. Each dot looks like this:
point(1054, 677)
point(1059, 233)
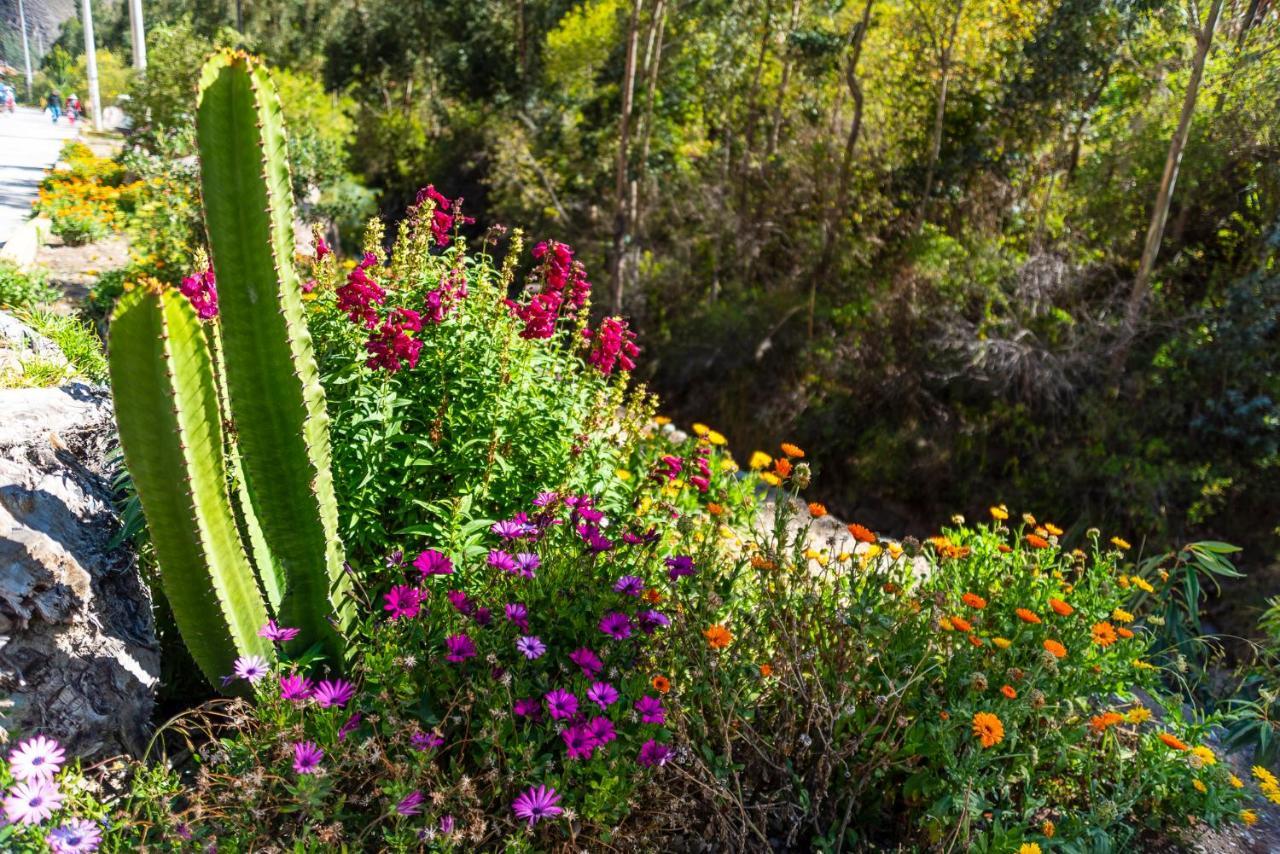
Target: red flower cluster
point(443, 215)
point(702, 479)
point(202, 291)
point(561, 274)
point(613, 344)
point(539, 315)
point(441, 301)
point(392, 344)
point(358, 295)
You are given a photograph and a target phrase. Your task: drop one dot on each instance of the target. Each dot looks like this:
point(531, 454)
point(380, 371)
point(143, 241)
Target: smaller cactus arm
point(166, 402)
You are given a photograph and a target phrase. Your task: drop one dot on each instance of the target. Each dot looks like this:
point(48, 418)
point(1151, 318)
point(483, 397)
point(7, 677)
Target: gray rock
point(19, 341)
point(78, 653)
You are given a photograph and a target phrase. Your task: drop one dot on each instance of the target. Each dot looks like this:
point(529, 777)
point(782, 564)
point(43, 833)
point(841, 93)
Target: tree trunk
point(621, 181)
point(776, 126)
point(939, 112)
point(1160, 211)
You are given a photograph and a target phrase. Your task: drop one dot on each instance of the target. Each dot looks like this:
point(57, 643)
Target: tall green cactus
point(166, 400)
point(277, 402)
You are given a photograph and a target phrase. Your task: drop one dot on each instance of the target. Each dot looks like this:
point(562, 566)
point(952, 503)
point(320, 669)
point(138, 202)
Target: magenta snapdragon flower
point(613, 344)
point(251, 667)
point(444, 213)
point(537, 803)
point(653, 753)
point(616, 625)
point(528, 707)
point(650, 709)
point(602, 694)
point(391, 347)
point(459, 648)
point(403, 602)
point(579, 742)
point(526, 564)
point(277, 634)
point(410, 804)
point(561, 704)
point(336, 693)
point(295, 687)
point(32, 801)
point(360, 295)
point(587, 660)
point(202, 290)
point(498, 559)
point(629, 585)
point(77, 836)
point(531, 647)
point(433, 562)
point(37, 758)
point(306, 757)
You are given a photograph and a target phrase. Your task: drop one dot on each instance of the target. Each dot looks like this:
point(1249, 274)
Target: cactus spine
point(277, 403)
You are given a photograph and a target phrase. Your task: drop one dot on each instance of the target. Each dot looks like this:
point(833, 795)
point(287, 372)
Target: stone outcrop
point(78, 653)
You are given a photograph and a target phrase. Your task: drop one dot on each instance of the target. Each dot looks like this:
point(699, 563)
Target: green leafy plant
point(21, 288)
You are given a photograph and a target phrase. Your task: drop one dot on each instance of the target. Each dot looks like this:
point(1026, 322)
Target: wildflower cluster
point(45, 801)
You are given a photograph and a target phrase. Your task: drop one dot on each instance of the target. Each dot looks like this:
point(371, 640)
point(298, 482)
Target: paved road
point(29, 144)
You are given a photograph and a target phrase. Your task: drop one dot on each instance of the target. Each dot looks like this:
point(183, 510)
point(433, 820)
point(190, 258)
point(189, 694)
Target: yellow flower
point(1123, 545)
point(895, 550)
point(1053, 529)
point(1029, 848)
point(728, 464)
point(1138, 714)
point(1048, 829)
point(1000, 513)
point(1121, 616)
point(1143, 585)
point(770, 478)
point(716, 438)
point(1123, 581)
point(1205, 754)
point(1002, 643)
point(946, 624)
point(1200, 787)
point(622, 474)
point(760, 460)
point(1265, 777)
point(700, 429)
point(1236, 782)
point(1249, 817)
point(1142, 665)
point(661, 420)
point(1029, 519)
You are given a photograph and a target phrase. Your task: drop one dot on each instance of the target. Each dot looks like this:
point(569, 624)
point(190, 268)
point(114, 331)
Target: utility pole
point(26, 50)
point(91, 62)
point(139, 35)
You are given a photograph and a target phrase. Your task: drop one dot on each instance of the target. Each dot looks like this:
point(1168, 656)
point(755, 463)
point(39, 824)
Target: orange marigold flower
point(766, 670)
point(973, 600)
point(861, 534)
point(1003, 643)
point(762, 563)
point(661, 684)
point(999, 512)
point(988, 728)
point(1048, 829)
point(1171, 741)
point(975, 640)
point(1027, 616)
point(1004, 549)
point(1058, 650)
point(714, 509)
point(1062, 609)
point(782, 467)
point(1123, 632)
point(1009, 692)
point(1053, 529)
point(653, 596)
point(1037, 542)
point(1100, 723)
point(1120, 544)
point(718, 637)
point(1104, 634)
point(890, 587)
point(792, 451)
point(946, 625)
point(962, 624)
point(817, 510)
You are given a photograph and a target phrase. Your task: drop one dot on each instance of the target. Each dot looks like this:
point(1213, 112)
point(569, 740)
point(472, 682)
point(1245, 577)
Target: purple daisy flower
point(335, 693)
point(352, 723)
point(601, 729)
point(403, 601)
point(277, 634)
point(579, 742)
point(653, 753)
point(561, 704)
point(587, 660)
point(426, 740)
point(629, 585)
point(482, 616)
point(591, 514)
point(545, 499)
point(596, 541)
point(32, 801)
point(602, 694)
point(306, 757)
point(650, 621)
point(396, 558)
point(295, 687)
point(528, 707)
point(616, 625)
point(77, 836)
point(649, 536)
point(509, 529)
point(650, 709)
point(251, 667)
point(498, 559)
point(446, 824)
point(433, 562)
point(526, 563)
point(410, 804)
point(518, 614)
point(531, 647)
point(459, 648)
point(537, 803)
point(678, 566)
point(37, 758)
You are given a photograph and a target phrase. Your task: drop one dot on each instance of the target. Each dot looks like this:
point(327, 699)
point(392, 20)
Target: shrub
point(77, 339)
point(86, 199)
point(21, 288)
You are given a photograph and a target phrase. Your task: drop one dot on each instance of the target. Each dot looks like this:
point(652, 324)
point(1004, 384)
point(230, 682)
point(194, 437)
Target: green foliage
point(23, 288)
point(77, 339)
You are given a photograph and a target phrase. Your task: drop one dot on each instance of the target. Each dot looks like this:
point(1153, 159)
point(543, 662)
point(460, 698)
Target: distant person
point(73, 108)
point(10, 98)
point(54, 105)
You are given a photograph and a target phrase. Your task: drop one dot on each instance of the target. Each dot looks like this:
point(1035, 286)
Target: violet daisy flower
point(461, 602)
point(306, 757)
point(498, 559)
point(528, 707)
point(32, 802)
point(561, 704)
point(352, 723)
point(526, 563)
point(531, 647)
point(396, 558)
point(650, 709)
point(446, 824)
point(537, 803)
point(335, 693)
point(649, 536)
point(596, 541)
point(616, 625)
point(433, 562)
point(602, 694)
point(403, 601)
point(482, 616)
point(678, 566)
point(37, 758)
point(629, 585)
point(77, 836)
point(519, 614)
point(587, 660)
point(509, 529)
point(545, 499)
point(579, 742)
point(251, 667)
point(653, 753)
point(295, 687)
point(602, 731)
point(591, 514)
point(277, 634)
point(426, 740)
point(410, 804)
point(459, 647)
point(650, 621)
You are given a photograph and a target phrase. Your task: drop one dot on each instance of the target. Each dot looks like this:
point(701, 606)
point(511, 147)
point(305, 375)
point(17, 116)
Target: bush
point(87, 199)
point(20, 288)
